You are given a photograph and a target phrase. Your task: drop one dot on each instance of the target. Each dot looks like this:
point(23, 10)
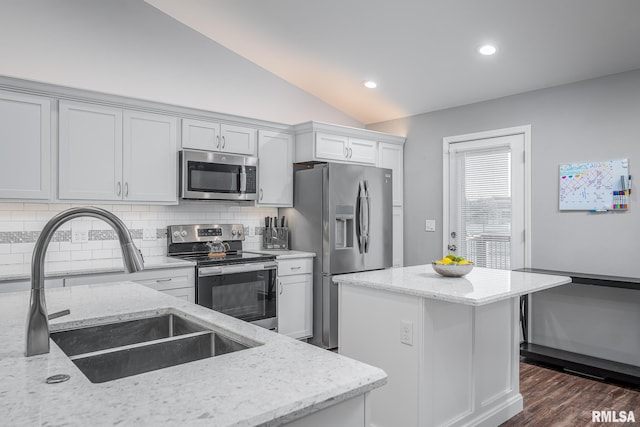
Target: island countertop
point(273, 383)
point(481, 286)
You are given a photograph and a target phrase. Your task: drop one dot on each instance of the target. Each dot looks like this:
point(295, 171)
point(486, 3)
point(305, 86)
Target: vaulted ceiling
point(422, 53)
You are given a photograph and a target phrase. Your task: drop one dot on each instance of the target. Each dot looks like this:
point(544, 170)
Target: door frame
point(447, 141)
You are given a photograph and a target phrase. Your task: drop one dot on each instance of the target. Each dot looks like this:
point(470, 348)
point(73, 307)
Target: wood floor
point(553, 398)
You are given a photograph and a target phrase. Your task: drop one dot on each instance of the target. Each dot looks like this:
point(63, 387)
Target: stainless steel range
point(228, 280)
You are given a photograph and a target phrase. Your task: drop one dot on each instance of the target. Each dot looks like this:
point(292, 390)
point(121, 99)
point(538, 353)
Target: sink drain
point(55, 379)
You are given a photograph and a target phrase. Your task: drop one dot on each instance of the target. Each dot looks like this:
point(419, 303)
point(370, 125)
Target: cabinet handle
point(224, 141)
point(261, 194)
point(168, 279)
point(350, 152)
point(296, 268)
point(119, 188)
point(126, 189)
point(346, 153)
point(280, 284)
point(218, 141)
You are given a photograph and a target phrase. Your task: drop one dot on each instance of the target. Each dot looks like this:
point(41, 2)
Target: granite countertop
point(481, 286)
point(75, 268)
point(271, 384)
point(284, 254)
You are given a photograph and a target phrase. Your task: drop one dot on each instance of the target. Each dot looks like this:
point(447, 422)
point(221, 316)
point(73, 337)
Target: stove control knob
point(176, 233)
point(183, 233)
point(233, 232)
point(239, 232)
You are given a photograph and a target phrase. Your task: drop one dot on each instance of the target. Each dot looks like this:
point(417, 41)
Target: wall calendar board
point(595, 186)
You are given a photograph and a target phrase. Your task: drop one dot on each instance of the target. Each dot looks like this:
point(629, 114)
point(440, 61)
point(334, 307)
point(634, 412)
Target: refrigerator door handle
point(367, 233)
point(360, 217)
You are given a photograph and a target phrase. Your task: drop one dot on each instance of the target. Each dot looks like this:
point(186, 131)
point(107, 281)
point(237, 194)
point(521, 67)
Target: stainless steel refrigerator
point(343, 213)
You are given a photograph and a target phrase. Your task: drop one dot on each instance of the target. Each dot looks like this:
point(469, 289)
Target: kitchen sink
point(117, 350)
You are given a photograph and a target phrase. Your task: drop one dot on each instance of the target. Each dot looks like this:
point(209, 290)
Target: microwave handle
point(243, 179)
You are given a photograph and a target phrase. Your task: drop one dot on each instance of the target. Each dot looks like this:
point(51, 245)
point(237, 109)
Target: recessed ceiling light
point(487, 49)
point(370, 84)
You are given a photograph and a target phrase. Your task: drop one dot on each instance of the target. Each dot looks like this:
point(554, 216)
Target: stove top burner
point(234, 258)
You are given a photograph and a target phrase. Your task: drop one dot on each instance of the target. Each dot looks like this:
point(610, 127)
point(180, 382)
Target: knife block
point(275, 238)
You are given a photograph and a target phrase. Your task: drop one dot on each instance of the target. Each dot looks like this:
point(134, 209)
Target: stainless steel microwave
point(208, 175)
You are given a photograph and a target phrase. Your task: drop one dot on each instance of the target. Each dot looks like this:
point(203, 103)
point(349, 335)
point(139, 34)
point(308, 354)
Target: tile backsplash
point(89, 238)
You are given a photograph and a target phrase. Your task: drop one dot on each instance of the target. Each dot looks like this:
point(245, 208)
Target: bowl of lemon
point(452, 266)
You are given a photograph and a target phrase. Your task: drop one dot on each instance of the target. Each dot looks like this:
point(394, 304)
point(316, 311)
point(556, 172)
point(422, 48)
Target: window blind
point(484, 205)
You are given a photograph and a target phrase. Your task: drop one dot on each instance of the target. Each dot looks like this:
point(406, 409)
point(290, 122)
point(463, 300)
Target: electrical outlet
point(406, 332)
point(148, 233)
point(430, 225)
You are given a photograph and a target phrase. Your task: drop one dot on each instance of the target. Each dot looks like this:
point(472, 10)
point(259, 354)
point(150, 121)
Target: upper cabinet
point(111, 154)
point(320, 146)
point(275, 169)
point(391, 156)
point(211, 136)
point(25, 147)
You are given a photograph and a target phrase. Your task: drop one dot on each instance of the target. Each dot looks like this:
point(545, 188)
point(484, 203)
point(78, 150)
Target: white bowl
point(452, 270)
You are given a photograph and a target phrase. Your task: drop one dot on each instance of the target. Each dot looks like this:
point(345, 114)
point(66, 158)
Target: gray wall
point(592, 120)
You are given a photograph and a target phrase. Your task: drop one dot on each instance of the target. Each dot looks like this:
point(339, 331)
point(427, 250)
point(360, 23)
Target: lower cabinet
point(178, 282)
point(295, 297)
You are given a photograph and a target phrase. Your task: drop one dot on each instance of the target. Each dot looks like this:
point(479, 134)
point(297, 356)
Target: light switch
point(149, 234)
point(430, 225)
point(406, 332)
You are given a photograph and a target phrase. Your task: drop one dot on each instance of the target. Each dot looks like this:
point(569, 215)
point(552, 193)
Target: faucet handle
point(59, 314)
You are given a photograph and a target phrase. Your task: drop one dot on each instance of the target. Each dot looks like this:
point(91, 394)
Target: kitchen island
point(450, 346)
point(277, 380)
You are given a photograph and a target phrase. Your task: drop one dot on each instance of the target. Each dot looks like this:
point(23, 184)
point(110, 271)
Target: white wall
point(586, 121)
point(126, 47)
point(20, 223)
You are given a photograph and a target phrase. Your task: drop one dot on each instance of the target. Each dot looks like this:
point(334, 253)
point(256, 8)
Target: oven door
point(245, 291)
point(210, 175)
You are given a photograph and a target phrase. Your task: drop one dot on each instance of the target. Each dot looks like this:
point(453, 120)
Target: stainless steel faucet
point(38, 322)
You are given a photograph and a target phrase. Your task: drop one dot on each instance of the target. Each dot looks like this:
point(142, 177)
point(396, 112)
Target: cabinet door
point(391, 156)
point(331, 147)
point(295, 311)
point(150, 158)
point(275, 170)
point(25, 147)
point(90, 152)
point(200, 135)
point(187, 294)
point(238, 139)
point(362, 151)
point(398, 229)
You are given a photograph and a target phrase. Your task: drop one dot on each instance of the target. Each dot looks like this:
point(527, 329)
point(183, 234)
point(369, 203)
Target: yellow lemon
point(445, 261)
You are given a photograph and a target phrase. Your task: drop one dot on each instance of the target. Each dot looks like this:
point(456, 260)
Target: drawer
point(288, 267)
point(168, 282)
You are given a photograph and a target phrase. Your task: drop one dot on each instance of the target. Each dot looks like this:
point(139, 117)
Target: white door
point(25, 147)
point(150, 159)
point(238, 139)
point(90, 152)
point(275, 172)
point(295, 296)
point(486, 198)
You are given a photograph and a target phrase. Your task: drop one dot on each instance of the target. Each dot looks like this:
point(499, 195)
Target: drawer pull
point(296, 268)
point(168, 279)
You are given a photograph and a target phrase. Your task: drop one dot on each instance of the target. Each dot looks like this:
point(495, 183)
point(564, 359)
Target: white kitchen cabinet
point(391, 156)
point(179, 282)
point(275, 172)
point(111, 154)
point(25, 285)
point(25, 147)
point(345, 149)
point(150, 146)
point(211, 136)
point(295, 297)
point(398, 240)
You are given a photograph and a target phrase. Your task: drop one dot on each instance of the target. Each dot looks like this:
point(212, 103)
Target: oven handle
point(231, 269)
